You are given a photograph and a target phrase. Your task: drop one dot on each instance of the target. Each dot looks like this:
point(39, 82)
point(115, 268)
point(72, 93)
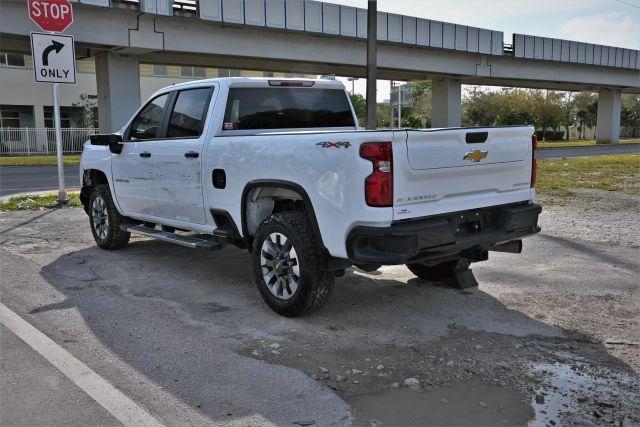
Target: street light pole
point(372, 75)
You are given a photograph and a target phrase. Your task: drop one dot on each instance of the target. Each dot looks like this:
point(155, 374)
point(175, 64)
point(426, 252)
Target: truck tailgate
point(451, 170)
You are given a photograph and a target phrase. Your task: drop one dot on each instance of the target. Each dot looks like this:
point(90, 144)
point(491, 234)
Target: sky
point(607, 22)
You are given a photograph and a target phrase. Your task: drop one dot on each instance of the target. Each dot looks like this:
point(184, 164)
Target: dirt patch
point(462, 378)
point(593, 215)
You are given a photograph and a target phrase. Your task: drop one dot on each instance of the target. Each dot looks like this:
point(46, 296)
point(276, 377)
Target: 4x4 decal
point(338, 144)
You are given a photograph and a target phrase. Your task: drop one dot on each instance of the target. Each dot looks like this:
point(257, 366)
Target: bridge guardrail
point(545, 48)
point(326, 18)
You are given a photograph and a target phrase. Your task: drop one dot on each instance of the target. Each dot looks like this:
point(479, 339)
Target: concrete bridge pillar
point(445, 103)
point(118, 81)
point(609, 110)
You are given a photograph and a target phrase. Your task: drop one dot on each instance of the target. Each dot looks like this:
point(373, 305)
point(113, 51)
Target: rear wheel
point(105, 220)
point(287, 265)
point(454, 273)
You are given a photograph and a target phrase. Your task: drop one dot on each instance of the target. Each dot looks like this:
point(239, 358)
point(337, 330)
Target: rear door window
point(189, 113)
point(286, 108)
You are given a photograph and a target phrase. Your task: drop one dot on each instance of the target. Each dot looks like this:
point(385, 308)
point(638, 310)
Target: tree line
point(553, 113)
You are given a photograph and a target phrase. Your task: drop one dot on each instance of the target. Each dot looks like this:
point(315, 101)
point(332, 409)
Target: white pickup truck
point(281, 168)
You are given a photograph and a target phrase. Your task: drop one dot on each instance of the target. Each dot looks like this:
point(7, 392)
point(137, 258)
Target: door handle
point(145, 154)
point(192, 155)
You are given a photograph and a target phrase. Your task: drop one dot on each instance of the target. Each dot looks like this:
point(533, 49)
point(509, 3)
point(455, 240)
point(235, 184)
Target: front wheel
point(105, 220)
point(287, 265)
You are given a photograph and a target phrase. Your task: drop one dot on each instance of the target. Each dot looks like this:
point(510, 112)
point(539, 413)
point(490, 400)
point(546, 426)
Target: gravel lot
point(550, 336)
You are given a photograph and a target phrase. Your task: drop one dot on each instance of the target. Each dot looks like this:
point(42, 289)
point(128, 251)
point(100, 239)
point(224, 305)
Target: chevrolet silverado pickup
point(279, 167)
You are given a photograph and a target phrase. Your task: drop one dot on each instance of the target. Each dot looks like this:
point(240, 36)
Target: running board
point(188, 241)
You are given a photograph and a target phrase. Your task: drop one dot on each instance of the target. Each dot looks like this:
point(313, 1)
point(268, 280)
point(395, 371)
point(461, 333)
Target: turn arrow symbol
point(57, 46)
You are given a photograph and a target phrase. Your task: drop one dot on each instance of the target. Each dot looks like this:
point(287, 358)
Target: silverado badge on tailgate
point(475, 155)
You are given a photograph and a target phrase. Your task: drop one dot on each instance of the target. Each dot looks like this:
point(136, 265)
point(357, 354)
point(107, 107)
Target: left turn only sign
point(54, 59)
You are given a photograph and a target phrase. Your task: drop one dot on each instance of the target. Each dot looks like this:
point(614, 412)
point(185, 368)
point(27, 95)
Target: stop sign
point(51, 15)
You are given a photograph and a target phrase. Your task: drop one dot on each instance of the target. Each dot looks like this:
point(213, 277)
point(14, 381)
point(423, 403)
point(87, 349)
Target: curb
point(35, 193)
point(593, 146)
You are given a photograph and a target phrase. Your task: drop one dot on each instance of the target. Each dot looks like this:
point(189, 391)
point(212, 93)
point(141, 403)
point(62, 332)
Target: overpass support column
point(445, 103)
point(118, 81)
point(609, 109)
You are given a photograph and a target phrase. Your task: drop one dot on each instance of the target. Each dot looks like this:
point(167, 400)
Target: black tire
point(113, 237)
point(314, 284)
point(447, 272)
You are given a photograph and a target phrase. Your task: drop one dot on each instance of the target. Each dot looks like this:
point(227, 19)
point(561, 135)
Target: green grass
point(608, 173)
point(581, 143)
point(38, 160)
point(46, 201)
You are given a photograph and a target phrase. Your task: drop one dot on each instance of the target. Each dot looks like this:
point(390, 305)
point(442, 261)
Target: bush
point(550, 135)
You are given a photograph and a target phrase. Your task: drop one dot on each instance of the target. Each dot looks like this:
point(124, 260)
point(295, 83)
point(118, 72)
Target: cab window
point(286, 108)
point(148, 123)
point(189, 113)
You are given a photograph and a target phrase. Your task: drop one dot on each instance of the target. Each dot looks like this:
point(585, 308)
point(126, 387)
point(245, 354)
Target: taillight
point(534, 161)
point(378, 187)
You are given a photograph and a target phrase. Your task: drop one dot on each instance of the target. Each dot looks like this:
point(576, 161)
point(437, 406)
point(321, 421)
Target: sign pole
point(62, 194)
point(54, 61)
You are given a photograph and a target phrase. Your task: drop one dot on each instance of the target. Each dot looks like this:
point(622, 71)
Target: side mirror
point(113, 140)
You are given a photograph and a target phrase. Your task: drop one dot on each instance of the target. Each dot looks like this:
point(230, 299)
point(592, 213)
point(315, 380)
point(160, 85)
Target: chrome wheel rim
point(280, 269)
point(100, 217)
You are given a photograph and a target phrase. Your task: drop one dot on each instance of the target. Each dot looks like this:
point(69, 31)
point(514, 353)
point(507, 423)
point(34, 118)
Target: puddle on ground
point(468, 403)
point(567, 388)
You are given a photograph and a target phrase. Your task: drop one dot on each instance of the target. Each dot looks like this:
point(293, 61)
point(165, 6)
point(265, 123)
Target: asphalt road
point(186, 337)
point(22, 179)
point(590, 150)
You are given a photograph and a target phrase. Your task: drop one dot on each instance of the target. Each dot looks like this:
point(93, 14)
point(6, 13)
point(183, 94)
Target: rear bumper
point(442, 236)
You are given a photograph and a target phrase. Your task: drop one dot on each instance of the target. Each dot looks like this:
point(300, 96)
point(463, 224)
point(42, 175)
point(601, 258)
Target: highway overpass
point(314, 37)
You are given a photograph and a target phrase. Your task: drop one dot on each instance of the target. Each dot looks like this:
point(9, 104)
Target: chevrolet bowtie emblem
point(475, 155)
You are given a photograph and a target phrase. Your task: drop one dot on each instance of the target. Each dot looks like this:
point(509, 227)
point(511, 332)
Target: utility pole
point(399, 106)
point(372, 75)
point(391, 110)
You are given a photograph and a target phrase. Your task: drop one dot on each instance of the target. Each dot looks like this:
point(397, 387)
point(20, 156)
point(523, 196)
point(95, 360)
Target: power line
point(628, 4)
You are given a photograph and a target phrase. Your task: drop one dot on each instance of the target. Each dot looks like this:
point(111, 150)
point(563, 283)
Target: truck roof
point(258, 82)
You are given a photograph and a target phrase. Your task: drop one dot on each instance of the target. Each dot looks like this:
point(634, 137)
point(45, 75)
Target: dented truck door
point(178, 164)
point(133, 169)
